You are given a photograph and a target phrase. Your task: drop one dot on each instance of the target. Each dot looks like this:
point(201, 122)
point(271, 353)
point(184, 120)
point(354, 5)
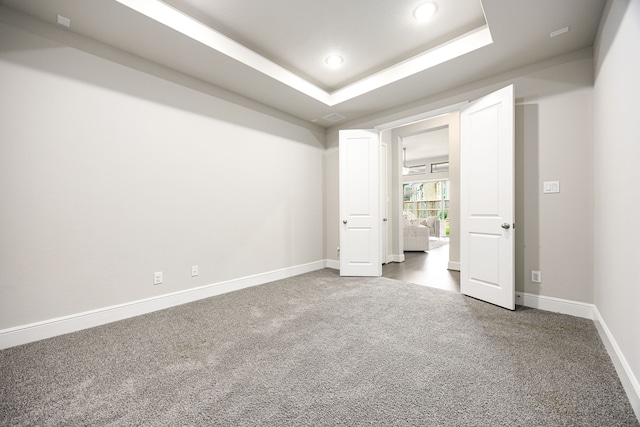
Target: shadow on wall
point(613, 16)
point(111, 68)
point(527, 197)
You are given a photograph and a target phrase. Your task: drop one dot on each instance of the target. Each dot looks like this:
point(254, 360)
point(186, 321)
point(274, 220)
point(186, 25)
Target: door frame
point(385, 210)
point(414, 125)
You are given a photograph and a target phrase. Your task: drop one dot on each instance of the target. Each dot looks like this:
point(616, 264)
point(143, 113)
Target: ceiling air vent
point(334, 117)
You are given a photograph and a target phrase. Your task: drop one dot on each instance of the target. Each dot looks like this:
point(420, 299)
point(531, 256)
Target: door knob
point(344, 221)
point(384, 219)
point(506, 226)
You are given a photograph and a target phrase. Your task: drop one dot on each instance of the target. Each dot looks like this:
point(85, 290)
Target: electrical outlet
point(536, 276)
point(157, 277)
point(194, 270)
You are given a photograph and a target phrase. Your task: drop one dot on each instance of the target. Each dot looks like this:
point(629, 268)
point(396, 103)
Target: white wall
point(616, 177)
point(554, 233)
point(108, 174)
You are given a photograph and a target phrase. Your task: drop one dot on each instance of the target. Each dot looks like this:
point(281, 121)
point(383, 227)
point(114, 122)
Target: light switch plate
point(551, 187)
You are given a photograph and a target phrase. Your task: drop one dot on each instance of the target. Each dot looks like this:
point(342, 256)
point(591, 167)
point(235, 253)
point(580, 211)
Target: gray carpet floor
point(320, 350)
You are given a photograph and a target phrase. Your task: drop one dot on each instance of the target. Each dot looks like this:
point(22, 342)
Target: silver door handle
point(344, 221)
point(506, 226)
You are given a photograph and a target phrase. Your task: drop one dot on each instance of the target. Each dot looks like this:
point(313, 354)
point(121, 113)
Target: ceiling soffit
point(193, 18)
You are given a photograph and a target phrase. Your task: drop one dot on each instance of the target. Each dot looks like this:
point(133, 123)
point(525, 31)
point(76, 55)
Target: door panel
point(487, 205)
point(359, 241)
point(479, 271)
point(483, 168)
point(358, 172)
point(359, 153)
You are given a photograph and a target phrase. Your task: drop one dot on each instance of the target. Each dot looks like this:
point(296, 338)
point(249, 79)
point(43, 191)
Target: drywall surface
point(554, 232)
point(616, 176)
point(109, 174)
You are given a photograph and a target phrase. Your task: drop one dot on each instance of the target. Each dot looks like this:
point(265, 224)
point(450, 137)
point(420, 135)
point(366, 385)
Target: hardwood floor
point(425, 268)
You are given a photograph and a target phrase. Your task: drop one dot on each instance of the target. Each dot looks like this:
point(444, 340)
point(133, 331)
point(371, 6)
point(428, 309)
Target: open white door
point(487, 239)
point(359, 203)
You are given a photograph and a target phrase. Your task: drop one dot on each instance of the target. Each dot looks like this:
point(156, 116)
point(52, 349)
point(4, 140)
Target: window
point(425, 199)
point(440, 167)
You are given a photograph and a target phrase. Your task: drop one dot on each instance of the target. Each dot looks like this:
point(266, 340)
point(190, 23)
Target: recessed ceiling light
point(425, 11)
point(334, 60)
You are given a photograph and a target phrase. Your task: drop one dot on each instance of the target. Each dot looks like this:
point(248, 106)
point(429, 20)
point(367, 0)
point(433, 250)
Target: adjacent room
point(426, 225)
point(319, 213)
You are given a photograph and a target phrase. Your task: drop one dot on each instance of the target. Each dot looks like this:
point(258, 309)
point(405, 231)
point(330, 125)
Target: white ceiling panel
point(427, 145)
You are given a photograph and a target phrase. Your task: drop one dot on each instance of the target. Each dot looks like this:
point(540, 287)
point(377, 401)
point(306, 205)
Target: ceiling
point(426, 145)
point(299, 35)
point(273, 52)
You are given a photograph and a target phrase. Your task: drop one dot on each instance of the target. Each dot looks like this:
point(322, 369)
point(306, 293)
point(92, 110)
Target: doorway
point(425, 268)
point(483, 242)
point(424, 177)
point(427, 202)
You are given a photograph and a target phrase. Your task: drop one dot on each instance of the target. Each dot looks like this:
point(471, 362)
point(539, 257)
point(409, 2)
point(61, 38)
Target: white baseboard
point(557, 305)
point(453, 266)
point(627, 378)
point(332, 263)
point(590, 311)
point(396, 258)
point(62, 325)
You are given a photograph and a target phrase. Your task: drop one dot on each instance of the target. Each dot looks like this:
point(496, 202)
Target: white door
point(487, 199)
point(359, 155)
